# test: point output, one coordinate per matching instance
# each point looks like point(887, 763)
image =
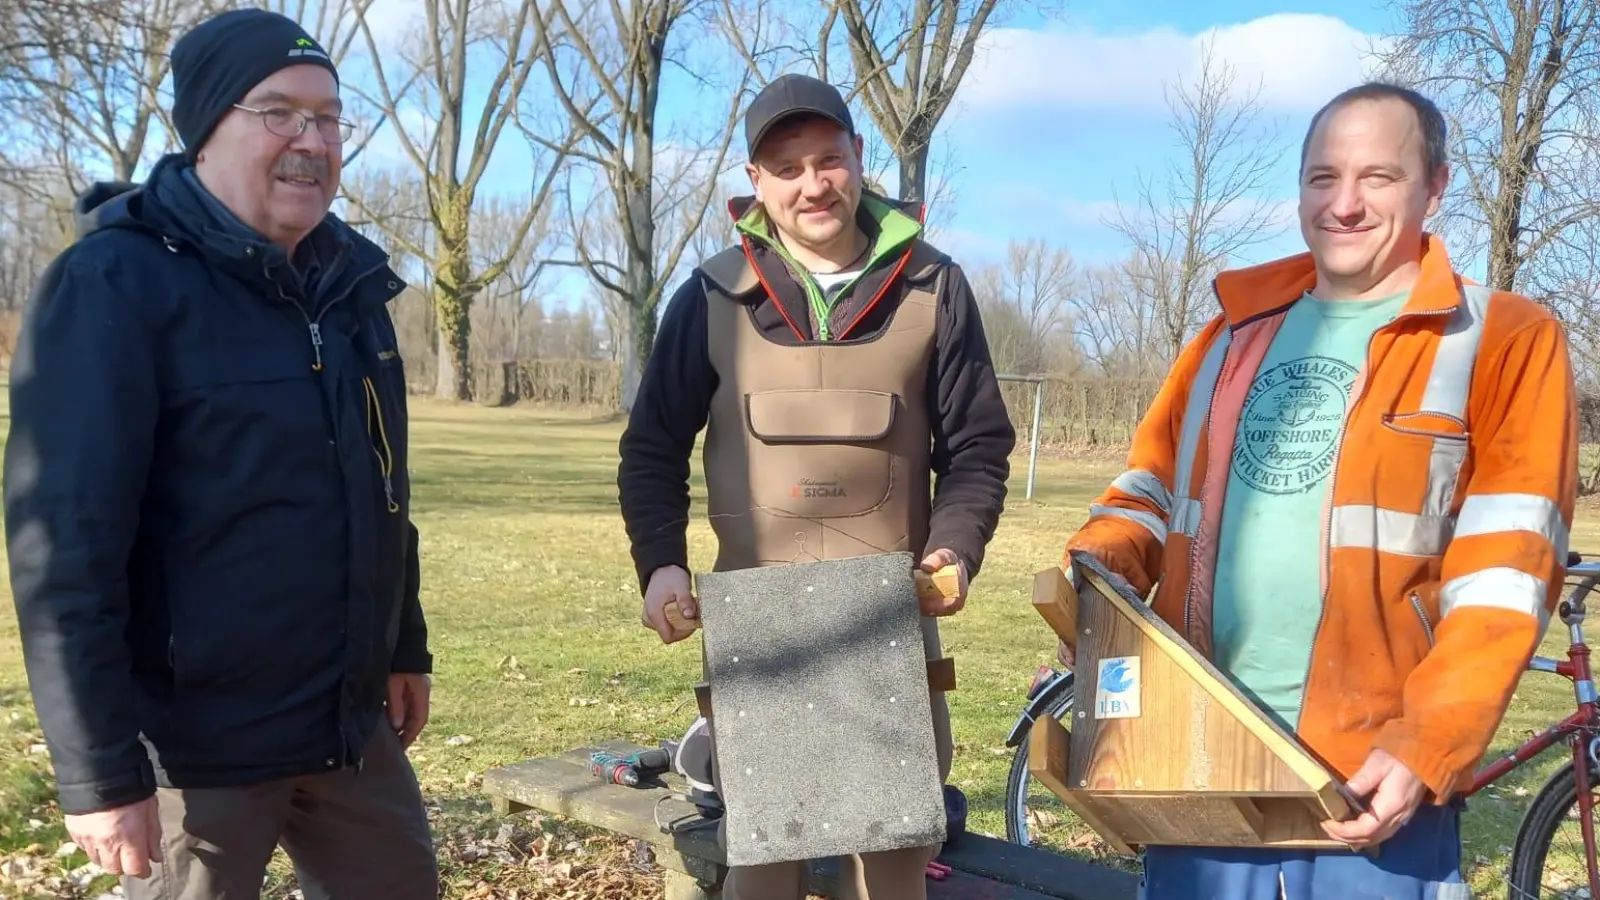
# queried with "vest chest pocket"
point(821, 453)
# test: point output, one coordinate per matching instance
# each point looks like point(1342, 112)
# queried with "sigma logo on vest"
point(809, 488)
point(1116, 688)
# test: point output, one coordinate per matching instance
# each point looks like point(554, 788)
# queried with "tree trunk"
point(455, 334)
point(453, 301)
point(914, 173)
point(1503, 249)
point(642, 301)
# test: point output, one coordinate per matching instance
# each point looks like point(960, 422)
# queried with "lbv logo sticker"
point(1116, 689)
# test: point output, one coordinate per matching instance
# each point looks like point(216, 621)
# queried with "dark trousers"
point(351, 835)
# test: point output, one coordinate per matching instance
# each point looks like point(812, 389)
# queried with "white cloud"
point(1299, 61)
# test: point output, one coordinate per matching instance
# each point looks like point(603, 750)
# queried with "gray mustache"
point(294, 164)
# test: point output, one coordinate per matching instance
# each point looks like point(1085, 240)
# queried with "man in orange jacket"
point(1354, 490)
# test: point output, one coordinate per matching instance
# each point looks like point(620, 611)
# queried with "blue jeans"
point(1422, 861)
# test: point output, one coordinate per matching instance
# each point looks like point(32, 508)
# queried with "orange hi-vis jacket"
point(1445, 529)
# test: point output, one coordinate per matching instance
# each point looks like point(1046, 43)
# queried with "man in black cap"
point(207, 508)
point(840, 367)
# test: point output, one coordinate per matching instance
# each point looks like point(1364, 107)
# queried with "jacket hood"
point(104, 204)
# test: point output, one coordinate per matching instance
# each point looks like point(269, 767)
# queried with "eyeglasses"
point(285, 122)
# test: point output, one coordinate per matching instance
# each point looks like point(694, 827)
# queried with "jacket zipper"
point(1364, 376)
point(385, 465)
point(1422, 613)
point(313, 326)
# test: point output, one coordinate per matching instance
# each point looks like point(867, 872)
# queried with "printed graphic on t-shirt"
point(1289, 435)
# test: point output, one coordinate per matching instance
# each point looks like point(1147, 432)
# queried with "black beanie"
point(220, 60)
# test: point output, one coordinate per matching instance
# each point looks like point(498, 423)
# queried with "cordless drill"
point(628, 770)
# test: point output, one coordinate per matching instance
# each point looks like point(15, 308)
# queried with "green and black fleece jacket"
point(972, 435)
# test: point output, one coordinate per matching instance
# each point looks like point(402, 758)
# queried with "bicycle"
point(1052, 694)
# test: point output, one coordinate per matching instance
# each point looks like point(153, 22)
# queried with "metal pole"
point(1033, 451)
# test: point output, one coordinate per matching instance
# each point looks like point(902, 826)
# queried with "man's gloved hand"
point(668, 584)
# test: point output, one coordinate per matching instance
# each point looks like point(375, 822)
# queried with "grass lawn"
point(534, 615)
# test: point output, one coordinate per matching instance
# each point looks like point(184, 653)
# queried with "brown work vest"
point(818, 451)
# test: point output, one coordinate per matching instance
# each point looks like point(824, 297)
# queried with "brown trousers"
point(350, 835)
point(889, 875)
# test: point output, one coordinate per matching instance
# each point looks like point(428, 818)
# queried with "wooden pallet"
point(1163, 748)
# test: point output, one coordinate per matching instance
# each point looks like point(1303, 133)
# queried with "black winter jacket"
point(206, 498)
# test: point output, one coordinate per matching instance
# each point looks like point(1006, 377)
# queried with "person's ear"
point(1441, 180)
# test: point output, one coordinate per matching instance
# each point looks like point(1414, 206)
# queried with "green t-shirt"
point(1268, 597)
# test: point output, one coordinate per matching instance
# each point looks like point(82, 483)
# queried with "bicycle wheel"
point(1549, 859)
point(1057, 706)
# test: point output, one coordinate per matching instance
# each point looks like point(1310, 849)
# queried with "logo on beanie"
point(306, 47)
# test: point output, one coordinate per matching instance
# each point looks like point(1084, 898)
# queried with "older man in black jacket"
point(207, 508)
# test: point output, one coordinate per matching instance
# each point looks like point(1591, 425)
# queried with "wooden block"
point(677, 620)
point(1049, 763)
point(942, 675)
point(943, 584)
point(1057, 601)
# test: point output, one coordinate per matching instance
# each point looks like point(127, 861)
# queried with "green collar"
point(892, 231)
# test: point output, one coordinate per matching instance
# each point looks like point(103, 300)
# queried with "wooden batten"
point(1163, 748)
point(1057, 601)
point(942, 675)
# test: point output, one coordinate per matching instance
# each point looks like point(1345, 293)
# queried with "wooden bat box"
point(1162, 747)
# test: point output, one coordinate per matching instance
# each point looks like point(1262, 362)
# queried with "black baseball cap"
point(791, 95)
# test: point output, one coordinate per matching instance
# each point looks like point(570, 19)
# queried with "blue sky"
point(1058, 118)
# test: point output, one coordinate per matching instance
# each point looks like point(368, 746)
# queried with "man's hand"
point(668, 584)
point(408, 705)
point(937, 560)
point(1396, 793)
point(123, 841)
point(1066, 655)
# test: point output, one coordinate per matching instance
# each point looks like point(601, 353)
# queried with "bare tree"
point(1115, 324)
point(608, 81)
point(1025, 304)
point(500, 321)
point(1520, 83)
point(422, 94)
point(907, 58)
point(86, 97)
point(1210, 205)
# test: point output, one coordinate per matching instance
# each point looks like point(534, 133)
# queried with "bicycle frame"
point(1574, 728)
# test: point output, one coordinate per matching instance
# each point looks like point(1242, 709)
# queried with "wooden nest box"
point(1163, 749)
